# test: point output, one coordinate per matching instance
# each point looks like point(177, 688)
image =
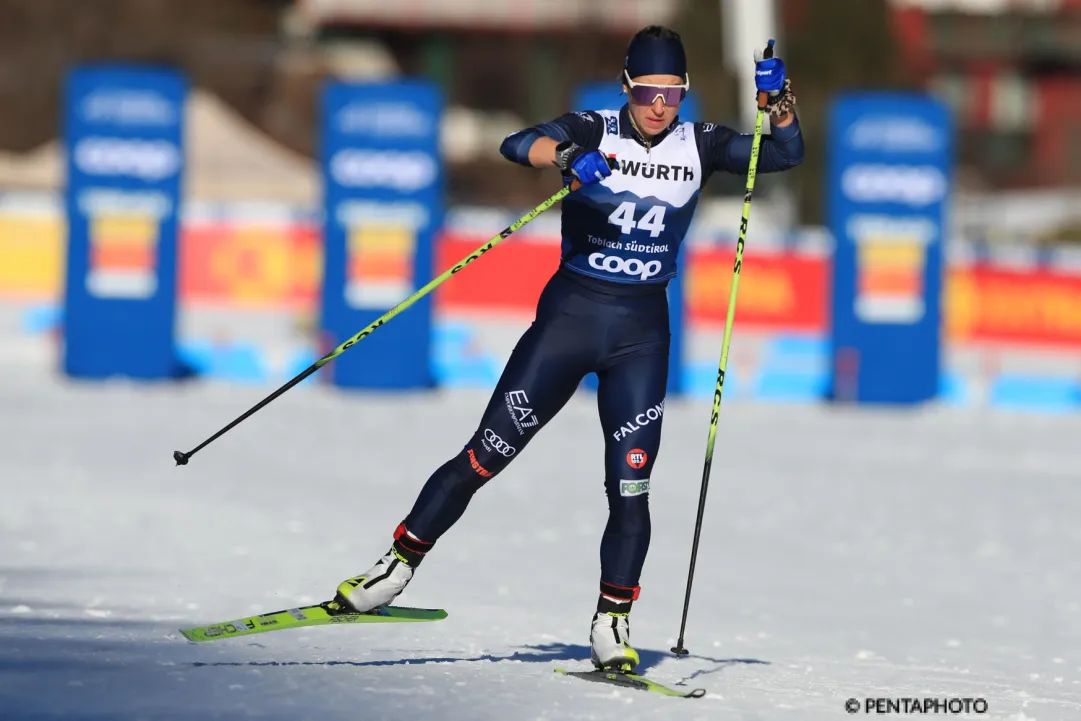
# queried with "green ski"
point(323, 614)
point(631, 680)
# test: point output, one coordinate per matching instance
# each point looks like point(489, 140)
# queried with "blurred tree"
point(833, 46)
point(228, 47)
point(700, 25)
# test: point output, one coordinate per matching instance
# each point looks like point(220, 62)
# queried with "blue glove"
point(769, 72)
point(588, 166)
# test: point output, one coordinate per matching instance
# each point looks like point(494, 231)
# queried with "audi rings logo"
point(630, 266)
point(402, 170)
point(501, 446)
point(149, 160)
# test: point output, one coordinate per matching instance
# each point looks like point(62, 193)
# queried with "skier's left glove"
point(588, 166)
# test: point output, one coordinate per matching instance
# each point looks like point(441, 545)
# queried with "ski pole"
point(752, 169)
point(182, 458)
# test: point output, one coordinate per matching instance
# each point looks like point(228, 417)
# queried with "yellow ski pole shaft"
point(679, 648)
point(182, 458)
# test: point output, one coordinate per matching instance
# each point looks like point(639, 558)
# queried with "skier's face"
point(655, 117)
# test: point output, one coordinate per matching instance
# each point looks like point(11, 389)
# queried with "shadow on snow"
point(544, 653)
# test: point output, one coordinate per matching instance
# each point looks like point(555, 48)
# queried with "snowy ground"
point(845, 554)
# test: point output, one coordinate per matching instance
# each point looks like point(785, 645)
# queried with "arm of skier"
point(780, 150)
point(728, 151)
point(569, 143)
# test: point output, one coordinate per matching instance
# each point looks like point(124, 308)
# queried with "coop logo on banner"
point(912, 185)
point(383, 175)
point(124, 133)
point(403, 171)
point(125, 163)
point(383, 188)
point(145, 160)
point(890, 169)
point(892, 180)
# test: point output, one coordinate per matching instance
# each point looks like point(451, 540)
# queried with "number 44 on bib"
point(623, 217)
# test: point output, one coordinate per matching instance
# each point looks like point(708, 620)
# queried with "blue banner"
point(891, 158)
point(383, 204)
point(124, 135)
point(607, 96)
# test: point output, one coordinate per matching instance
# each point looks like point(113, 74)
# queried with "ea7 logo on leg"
point(521, 414)
point(633, 488)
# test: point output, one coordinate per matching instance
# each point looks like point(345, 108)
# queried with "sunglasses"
point(642, 94)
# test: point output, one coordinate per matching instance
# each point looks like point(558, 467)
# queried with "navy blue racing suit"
point(604, 310)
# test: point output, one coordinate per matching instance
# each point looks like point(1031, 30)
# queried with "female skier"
point(605, 310)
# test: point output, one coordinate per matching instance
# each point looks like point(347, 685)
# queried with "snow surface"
point(846, 553)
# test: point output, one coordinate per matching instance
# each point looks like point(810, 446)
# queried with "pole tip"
point(680, 650)
point(181, 458)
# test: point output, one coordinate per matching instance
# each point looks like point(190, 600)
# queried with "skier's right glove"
point(588, 166)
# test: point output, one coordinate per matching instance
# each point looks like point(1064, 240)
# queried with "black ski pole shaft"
point(679, 649)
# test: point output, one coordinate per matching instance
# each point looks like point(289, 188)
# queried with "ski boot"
point(384, 581)
point(610, 642)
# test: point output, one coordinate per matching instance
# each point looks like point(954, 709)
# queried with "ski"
point(631, 680)
point(323, 614)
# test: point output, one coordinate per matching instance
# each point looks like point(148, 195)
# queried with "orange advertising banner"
point(507, 279)
point(251, 266)
point(1032, 307)
point(279, 266)
point(783, 291)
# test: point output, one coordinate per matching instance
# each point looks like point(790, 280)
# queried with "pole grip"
point(763, 97)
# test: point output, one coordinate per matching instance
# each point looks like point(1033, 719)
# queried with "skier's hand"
point(771, 78)
point(588, 166)
point(782, 104)
point(769, 72)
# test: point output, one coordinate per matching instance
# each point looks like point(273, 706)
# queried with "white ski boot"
point(610, 642)
point(377, 586)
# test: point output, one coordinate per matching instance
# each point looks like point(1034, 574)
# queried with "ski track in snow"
point(845, 553)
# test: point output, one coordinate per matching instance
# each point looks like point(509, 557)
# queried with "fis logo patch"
point(637, 458)
point(628, 489)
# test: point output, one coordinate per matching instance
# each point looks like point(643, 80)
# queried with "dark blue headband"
point(655, 56)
